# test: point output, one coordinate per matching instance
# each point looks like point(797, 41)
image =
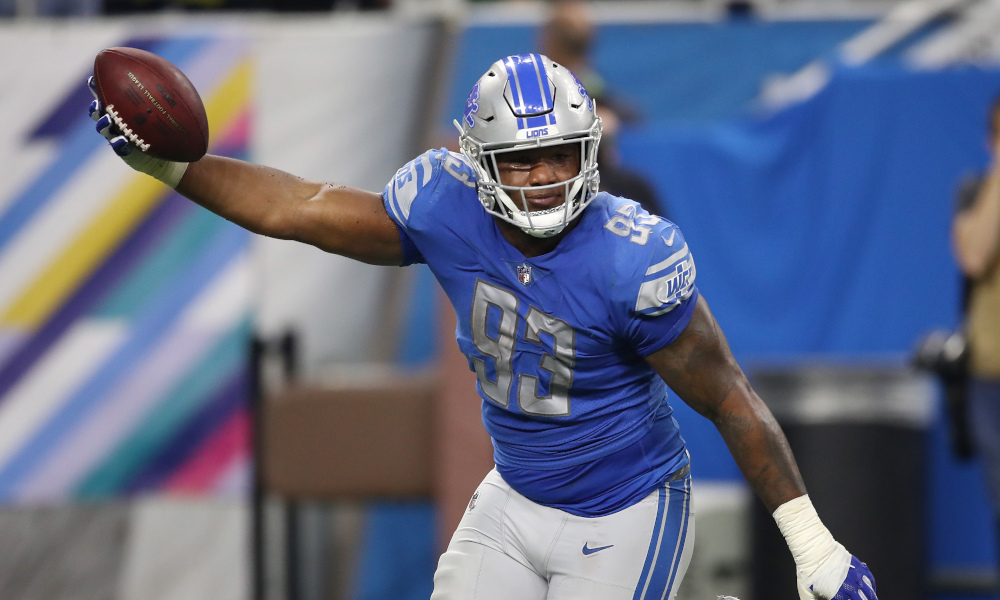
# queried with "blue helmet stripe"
point(530, 89)
point(532, 122)
point(515, 90)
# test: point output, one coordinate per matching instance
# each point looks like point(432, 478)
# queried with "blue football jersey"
point(579, 420)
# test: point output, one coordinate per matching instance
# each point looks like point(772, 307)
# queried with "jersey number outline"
point(625, 223)
point(501, 349)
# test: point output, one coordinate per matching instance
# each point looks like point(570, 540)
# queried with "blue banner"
point(824, 228)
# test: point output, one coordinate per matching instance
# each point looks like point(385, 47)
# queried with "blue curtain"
point(823, 228)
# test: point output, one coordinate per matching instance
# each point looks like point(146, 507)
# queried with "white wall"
point(337, 100)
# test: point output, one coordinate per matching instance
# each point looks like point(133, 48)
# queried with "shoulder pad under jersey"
point(658, 258)
point(421, 173)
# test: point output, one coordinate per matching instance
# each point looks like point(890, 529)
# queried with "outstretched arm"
point(700, 368)
point(335, 218)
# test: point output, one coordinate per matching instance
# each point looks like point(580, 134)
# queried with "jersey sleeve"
point(658, 301)
point(410, 196)
point(399, 196)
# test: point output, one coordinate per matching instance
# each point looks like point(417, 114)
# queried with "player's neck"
point(529, 245)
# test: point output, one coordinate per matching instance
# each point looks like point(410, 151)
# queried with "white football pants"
point(510, 548)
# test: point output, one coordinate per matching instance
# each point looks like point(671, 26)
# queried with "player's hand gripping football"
point(169, 172)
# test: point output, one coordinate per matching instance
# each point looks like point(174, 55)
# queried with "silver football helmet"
point(528, 101)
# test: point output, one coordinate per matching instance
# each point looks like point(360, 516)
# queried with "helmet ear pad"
point(522, 102)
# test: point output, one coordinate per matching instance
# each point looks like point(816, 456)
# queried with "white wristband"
point(821, 562)
point(167, 171)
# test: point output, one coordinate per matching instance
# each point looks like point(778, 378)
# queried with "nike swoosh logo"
point(588, 551)
point(670, 241)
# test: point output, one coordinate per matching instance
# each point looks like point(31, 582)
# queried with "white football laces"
point(125, 129)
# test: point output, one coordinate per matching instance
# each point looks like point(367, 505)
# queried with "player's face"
point(538, 167)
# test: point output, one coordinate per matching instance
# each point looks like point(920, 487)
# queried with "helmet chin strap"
point(543, 233)
point(573, 191)
point(504, 199)
point(547, 232)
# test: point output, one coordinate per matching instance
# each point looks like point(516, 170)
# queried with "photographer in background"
point(567, 38)
point(976, 243)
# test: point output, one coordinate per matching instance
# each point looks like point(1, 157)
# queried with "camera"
point(944, 353)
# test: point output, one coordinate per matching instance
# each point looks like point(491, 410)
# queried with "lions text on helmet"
point(525, 102)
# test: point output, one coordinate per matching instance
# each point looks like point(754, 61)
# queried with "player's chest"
point(532, 310)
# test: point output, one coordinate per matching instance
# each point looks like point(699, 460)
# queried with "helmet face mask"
point(525, 102)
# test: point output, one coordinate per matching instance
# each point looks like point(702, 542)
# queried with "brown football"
point(152, 102)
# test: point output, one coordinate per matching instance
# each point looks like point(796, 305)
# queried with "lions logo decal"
point(472, 106)
point(579, 87)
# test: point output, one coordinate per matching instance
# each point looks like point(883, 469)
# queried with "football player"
point(577, 310)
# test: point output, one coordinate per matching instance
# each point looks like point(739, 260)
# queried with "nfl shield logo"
point(524, 274)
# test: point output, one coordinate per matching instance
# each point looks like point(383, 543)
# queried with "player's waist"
point(609, 483)
point(583, 446)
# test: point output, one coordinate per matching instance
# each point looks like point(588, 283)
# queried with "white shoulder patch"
point(667, 284)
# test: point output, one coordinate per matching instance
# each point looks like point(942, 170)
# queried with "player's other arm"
point(700, 368)
point(335, 218)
